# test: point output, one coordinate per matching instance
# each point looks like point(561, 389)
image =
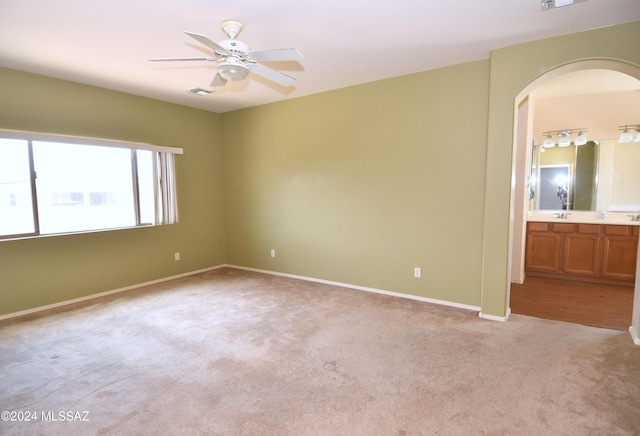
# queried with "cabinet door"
point(581, 254)
point(543, 251)
point(619, 257)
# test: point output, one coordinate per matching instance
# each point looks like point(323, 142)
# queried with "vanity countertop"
point(616, 218)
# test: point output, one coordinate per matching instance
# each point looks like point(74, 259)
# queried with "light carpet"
point(233, 352)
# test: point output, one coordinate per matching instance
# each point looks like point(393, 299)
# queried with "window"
point(51, 184)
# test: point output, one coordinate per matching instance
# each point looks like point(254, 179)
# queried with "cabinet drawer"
point(589, 228)
point(564, 227)
point(538, 227)
point(616, 230)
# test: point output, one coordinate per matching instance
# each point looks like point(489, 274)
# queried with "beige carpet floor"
point(232, 352)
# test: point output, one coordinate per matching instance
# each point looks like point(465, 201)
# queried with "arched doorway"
point(523, 139)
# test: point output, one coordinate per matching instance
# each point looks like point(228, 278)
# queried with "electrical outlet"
point(417, 272)
point(176, 256)
point(273, 253)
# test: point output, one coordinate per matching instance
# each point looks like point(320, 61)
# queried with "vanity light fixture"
point(581, 139)
point(626, 135)
point(548, 142)
point(565, 137)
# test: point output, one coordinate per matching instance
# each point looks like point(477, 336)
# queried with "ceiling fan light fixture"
point(232, 69)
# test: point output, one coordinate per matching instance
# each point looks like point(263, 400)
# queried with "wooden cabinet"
point(543, 248)
point(620, 250)
point(593, 252)
point(581, 251)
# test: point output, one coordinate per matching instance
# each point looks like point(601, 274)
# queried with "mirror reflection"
point(597, 176)
point(580, 158)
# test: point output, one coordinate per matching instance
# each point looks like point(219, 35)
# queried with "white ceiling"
point(345, 42)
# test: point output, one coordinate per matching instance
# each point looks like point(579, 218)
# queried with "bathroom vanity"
point(582, 249)
point(590, 233)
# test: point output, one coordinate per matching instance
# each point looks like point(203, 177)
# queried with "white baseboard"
point(634, 336)
point(310, 279)
point(496, 318)
point(102, 294)
point(360, 288)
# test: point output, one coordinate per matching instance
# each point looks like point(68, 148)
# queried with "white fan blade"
point(271, 74)
point(218, 81)
point(206, 41)
point(281, 54)
point(183, 59)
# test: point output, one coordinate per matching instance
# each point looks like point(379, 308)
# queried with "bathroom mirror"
point(604, 175)
point(598, 176)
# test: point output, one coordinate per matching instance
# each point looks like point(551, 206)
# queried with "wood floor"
point(596, 305)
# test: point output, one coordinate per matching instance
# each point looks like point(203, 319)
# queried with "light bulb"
point(581, 139)
point(548, 142)
point(232, 69)
point(626, 136)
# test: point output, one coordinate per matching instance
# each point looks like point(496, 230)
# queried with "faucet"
point(561, 215)
point(635, 217)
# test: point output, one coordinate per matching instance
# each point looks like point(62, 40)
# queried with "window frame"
point(164, 178)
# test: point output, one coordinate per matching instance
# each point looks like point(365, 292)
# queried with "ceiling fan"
point(235, 59)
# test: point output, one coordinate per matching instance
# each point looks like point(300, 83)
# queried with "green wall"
point(513, 70)
point(40, 271)
point(362, 184)
point(358, 185)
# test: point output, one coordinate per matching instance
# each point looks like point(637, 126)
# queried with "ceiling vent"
point(552, 4)
point(199, 91)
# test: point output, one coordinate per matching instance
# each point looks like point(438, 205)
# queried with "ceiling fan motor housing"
point(233, 45)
